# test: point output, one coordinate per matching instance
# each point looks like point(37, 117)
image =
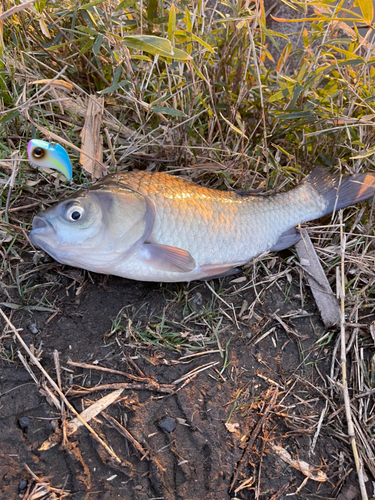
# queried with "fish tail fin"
point(336, 192)
point(341, 193)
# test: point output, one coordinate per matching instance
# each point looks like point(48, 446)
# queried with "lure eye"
point(38, 152)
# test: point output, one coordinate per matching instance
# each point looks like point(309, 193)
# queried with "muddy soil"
point(215, 434)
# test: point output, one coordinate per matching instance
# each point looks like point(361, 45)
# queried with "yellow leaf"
point(233, 127)
point(56, 83)
point(262, 12)
point(367, 9)
point(155, 45)
point(284, 56)
point(44, 28)
point(172, 20)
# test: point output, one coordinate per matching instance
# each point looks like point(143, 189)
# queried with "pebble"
point(24, 422)
point(22, 485)
point(33, 329)
point(197, 299)
point(54, 424)
point(167, 424)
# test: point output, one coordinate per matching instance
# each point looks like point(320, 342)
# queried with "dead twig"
point(309, 471)
point(285, 326)
point(345, 390)
point(167, 389)
point(124, 432)
point(42, 487)
point(284, 488)
point(319, 285)
point(268, 332)
point(195, 372)
point(317, 432)
point(109, 370)
point(27, 367)
point(226, 303)
point(12, 179)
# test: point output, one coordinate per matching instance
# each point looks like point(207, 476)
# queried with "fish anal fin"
point(286, 240)
point(167, 258)
point(214, 271)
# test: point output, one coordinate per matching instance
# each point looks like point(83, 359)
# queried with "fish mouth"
point(41, 229)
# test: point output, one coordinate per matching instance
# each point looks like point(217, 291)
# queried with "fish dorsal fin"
point(252, 192)
point(166, 258)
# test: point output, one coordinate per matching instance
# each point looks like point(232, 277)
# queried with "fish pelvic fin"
point(340, 193)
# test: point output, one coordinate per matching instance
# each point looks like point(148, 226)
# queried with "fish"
point(159, 227)
point(44, 154)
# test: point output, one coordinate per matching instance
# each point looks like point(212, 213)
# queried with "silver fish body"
point(157, 227)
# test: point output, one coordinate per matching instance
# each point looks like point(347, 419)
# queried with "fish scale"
point(158, 227)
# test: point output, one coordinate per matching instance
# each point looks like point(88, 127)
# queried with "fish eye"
point(75, 215)
point(74, 212)
point(38, 152)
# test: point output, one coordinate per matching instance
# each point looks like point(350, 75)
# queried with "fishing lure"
point(54, 156)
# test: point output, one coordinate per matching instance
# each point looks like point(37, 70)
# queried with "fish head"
point(96, 228)
point(54, 156)
point(71, 226)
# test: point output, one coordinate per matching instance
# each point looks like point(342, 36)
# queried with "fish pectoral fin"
point(166, 258)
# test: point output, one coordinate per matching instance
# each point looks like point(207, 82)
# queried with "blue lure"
point(44, 154)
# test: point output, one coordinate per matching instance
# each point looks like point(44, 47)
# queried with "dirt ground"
point(262, 384)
